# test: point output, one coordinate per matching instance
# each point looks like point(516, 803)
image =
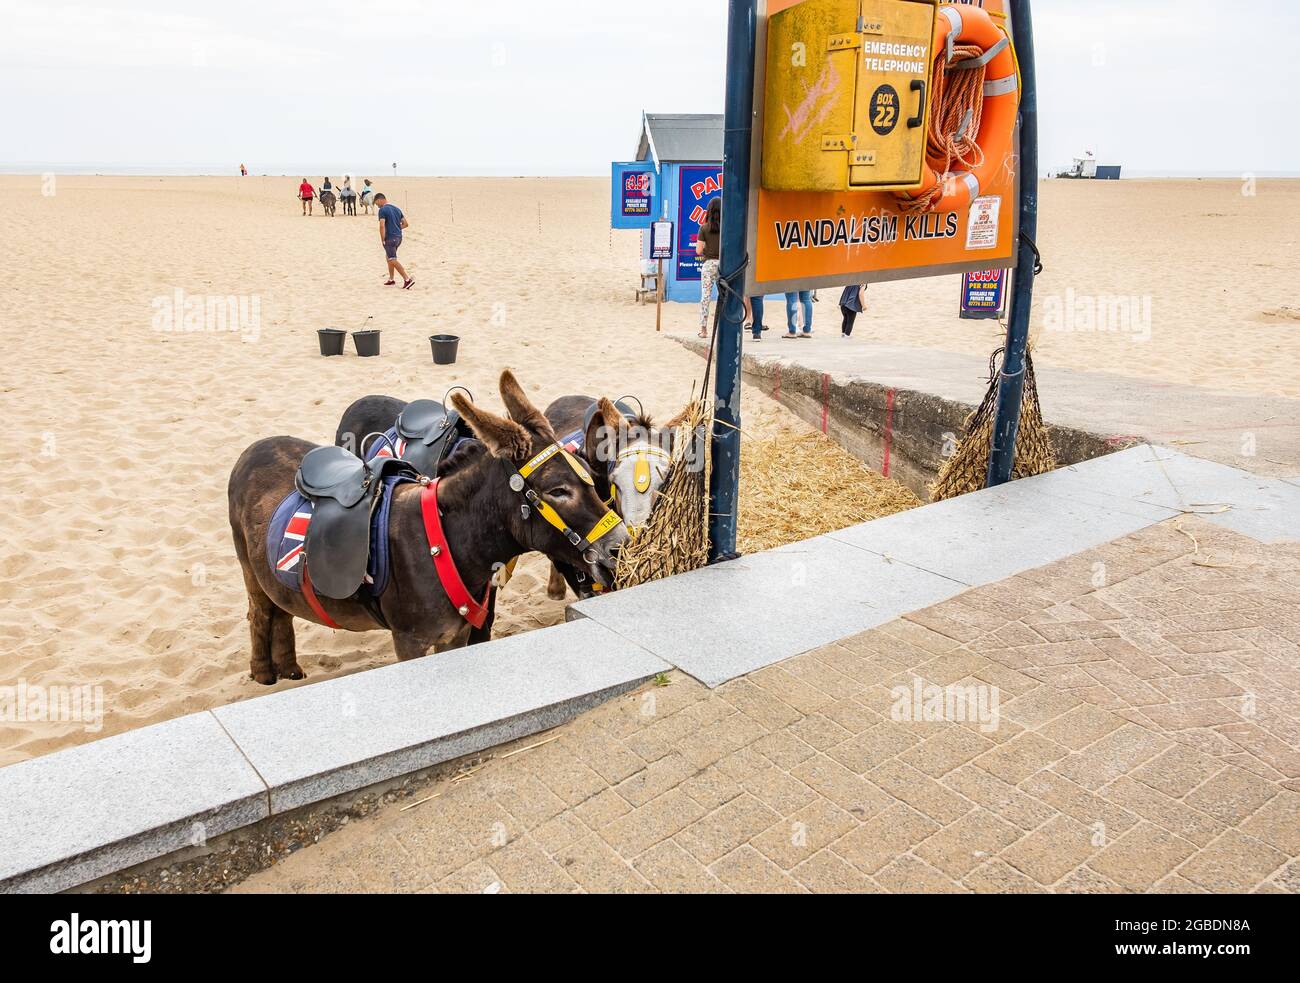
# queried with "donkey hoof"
point(266, 677)
point(294, 672)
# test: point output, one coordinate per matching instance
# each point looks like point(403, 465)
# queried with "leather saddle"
point(344, 492)
point(430, 431)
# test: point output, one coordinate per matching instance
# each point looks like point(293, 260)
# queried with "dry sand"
point(115, 558)
point(116, 567)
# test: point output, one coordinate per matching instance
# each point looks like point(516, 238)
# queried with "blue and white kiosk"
point(677, 171)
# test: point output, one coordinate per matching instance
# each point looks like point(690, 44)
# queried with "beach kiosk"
point(677, 171)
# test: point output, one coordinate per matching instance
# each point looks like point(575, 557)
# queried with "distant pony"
point(327, 202)
point(348, 196)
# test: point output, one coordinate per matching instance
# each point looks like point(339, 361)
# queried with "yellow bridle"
point(519, 482)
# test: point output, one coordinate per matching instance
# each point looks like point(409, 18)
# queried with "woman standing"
point(852, 303)
point(707, 247)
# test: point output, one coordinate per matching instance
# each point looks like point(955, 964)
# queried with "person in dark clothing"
point(852, 303)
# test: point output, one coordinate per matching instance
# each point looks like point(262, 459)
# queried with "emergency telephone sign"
point(847, 102)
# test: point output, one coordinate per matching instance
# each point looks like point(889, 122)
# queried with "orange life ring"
point(969, 25)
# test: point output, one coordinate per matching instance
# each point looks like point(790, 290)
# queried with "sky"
point(558, 87)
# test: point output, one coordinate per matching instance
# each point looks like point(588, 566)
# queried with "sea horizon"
point(110, 169)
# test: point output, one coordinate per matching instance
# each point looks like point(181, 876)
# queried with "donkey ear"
point(603, 433)
point(521, 409)
point(504, 438)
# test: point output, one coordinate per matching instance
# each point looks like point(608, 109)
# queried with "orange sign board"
point(810, 239)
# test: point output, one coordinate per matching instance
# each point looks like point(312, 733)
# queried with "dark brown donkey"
point(489, 513)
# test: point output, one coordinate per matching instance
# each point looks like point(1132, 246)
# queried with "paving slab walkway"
point(1146, 738)
point(762, 609)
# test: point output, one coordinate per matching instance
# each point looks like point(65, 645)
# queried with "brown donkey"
point(513, 493)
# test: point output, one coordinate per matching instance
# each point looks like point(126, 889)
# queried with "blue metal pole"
point(724, 481)
point(1011, 387)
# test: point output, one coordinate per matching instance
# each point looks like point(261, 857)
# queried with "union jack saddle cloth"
point(336, 519)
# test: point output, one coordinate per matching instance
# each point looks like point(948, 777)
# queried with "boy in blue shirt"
point(391, 224)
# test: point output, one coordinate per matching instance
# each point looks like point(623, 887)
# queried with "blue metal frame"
point(1011, 386)
point(724, 481)
point(741, 52)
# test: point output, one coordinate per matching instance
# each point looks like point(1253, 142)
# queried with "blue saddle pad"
point(288, 532)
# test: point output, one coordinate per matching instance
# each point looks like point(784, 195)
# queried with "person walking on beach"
point(707, 248)
point(391, 224)
point(243, 171)
point(793, 300)
point(852, 303)
point(307, 193)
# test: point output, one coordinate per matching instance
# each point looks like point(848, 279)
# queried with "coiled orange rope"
point(956, 110)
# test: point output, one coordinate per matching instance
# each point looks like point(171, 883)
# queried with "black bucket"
point(444, 348)
point(331, 340)
point(367, 343)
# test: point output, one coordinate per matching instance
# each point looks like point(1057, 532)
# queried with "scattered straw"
point(1196, 550)
point(521, 750)
point(1196, 543)
point(967, 470)
point(420, 803)
point(795, 486)
point(466, 775)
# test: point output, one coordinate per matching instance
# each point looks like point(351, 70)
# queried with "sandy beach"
point(116, 566)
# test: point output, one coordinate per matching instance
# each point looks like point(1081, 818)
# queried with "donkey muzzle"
point(601, 557)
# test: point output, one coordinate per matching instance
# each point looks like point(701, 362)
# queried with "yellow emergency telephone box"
point(847, 95)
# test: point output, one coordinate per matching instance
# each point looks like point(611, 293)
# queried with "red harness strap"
point(312, 600)
point(475, 612)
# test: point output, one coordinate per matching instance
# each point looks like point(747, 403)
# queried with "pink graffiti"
point(818, 101)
